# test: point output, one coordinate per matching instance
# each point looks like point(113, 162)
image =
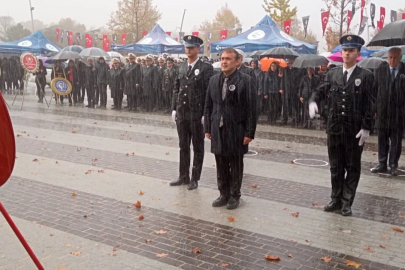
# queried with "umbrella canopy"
point(95, 53)
point(117, 55)
point(391, 35)
point(256, 54)
point(337, 57)
point(266, 63)
point(73, 48)
point(280, 52)
point(365, 52)
point(371, 63)
point(310, 60)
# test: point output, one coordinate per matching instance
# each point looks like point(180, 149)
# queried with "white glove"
point(174, 116)
point(313, 109)
point(202, 120)
point(363, 135)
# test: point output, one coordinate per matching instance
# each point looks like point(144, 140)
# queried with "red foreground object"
point(7, 160)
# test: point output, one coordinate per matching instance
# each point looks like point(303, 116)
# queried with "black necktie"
point(345, 77)
point(393, 74)
point(190, 67)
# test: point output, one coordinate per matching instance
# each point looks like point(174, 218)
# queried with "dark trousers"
point(305, 112)
point(259, 105)
point(229, 175)
point(90, 95)
point(290, 107)
point(345, 166)
point(132, 102)
point(117, 103)
point(166, 100)
point(190, 131)
point(103, 94)
point(75, 93)
point(274, 101)
point(384, 137)
point(40, 89)
point(82, 91)
point(96, 94)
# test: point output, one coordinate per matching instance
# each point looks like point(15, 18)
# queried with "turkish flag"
point(382, 15)
point(57, 34)
point(105, 42)
point(380, 25)
point(363, 4)
point(325, 20)
point(194, 34)
point(287, 26)
point(124, 38)
point(349, 19)
point(403, 16)
point(70, 38)
point(169, 33)
point(90, 42)
point(224, 34)
point(144, 33)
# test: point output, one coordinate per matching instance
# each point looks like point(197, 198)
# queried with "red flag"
point(287, 26)
point(177, 39)
point(224, 34)
point(325, 20)
point(105, 42)
point(349, 19)
point(169, 33)
point(363, 4)
point(380, 25)
point(382, 15)
point(124, 38)
point(70, 38)
point(88, 41)
point(403, 16)
point(194, 34)
point(57, 34)
point(144, 33)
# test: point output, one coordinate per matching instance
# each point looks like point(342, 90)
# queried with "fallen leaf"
point(127, 154)
point(196, 251)
point(161, 232)
point(148, 240)
point(288, 146)
point(51, 234)
point(290, 256)
point(314, 204)
point(292, 161)
point(224, 264)
point(63, 268)
point(140, 192)
point(326, 259)
point(308, 240)
point(113, 254)
point(88, 172)
point(85, 216)
point(352, 263)
point(368, 249)
point(35, 160)
point(397, 229)
point(73, 131)
point(272, 258)
point(383, 235)
point(231, 219)
point(384, 247)
point(254, 186)
point(57, 162)
point(18, 135)
point(101, 171)
point(167, 153)
point(133, 153)
point(140, 217)
point(295, 214)
point(115, 248)
point(401, 216)
point(73, 194)
point(161, 255)
point(76, 253)
point(67, 245)
point(374, 153)
point(137, 204)
point(285, 209)
point(94, 159)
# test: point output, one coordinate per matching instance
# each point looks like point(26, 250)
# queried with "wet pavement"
point(79, 172)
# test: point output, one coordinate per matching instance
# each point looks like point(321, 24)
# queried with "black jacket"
point(290, 81)
point(133, 76)
point(271, 83)
point(238, 111)
point(189, 91)
point(116, 82)
point(149, 81)
point(351, 105)
point(102, 73)
point(40, 75)
point(307, 86)
point(91, 76)
point(169, 77)
point(390, 104)
point(260, 78)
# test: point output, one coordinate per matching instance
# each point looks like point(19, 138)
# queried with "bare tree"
point(338, 14)
point(5, 23)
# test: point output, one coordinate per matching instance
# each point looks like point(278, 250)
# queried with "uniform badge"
point(349, 38)
point(357, 82)
point(189, 37)
point(196, 72)
point(232, 87)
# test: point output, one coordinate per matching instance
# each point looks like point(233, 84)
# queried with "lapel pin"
point(232, 87)
point(357, 82)
point(196, 72)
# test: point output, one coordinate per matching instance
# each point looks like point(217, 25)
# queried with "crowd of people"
point(11, 74)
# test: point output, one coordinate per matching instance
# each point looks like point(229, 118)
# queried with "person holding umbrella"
point(349, 90)
point(91, 83)
point(40, 81)
point(309, 83)
point(73, 78)
point(272, 92)
point(58, 72)
point(102, 81)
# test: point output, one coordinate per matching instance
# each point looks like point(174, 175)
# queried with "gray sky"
point(95, 13)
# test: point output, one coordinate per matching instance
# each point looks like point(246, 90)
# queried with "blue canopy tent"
point(265, 35)
point(35, 43)
point(156, 41)
point(365, 52)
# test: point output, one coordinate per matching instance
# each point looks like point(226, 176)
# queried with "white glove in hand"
point(313, 109)
point(202, 120)
point(363, 135)
point(174, 116)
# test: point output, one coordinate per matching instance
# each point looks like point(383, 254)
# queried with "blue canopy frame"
point(35, 43)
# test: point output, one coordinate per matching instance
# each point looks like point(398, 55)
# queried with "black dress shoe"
point(220, 201)
point(193, 185)
point(332, 206)
point(233, 203)
point(394, 170)
point(346, 210)
point(379, 169)
point(177, 182)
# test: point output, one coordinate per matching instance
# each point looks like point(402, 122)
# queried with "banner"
point(372, 14)
point(353, 7)
point(363, 25)
point(105, 42)
point(124, 38)
point(380, 25)
point(305, 21)
point(394, 15)
point(177, 39)
point(287, 26)
point(224, 34)
point(403, 16)
point(57, 34)
point(114, 37)
point(209, 37)
point(382, 15)
point(181, 37)
point(238, 31)
point(70, 38)
point(91, 41)
point(62, 34)
point(194, 34)
point(325, 20)
point(144, 33)
point(363, 5)
point(349, 20)
point(88, 44)
point(169, 33)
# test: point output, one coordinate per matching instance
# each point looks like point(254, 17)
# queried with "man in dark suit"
point(187, 111)
point(349, 90)
point(389, 85)
point(230, 124)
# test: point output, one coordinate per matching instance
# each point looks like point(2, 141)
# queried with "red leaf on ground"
point(296, 214)
point(73, 131)
point(352, 263)
point(87, 172)
point(137, 204)
point(308, 240)
point(290, 256)
point(326, 259)
point(140, 192)
point(384, 247)
point(374, 153)
point(73, 194)
point(161, 255)
point(35, 160)
point(140, 217)
point(272, 258)
point(113, 254)
point(254, 186)
point(148, 240)
point(127, 154)
point(161, 232)
point(368, 249)
point(397, 229)
point(231, 219)
point(383, 235)
point(196, 251)
point(101, 171)
point(224, 264)
point(314, 204)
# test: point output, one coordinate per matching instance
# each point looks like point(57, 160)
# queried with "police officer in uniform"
point(349, 90)
point(169, 76)
point(132, 75)
point(188, 108)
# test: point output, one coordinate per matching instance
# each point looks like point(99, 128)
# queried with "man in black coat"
point(91, 83)
point(349, 90)
point(390, 87)
point(187, 111)
point(260, 77)
point(81, 70)
point(102, 81)
point(308, 84)
point(133, 80)
point(230, 124)
point(169, 77)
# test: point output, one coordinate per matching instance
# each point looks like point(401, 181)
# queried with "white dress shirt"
point(349, 71)
point(193, 64)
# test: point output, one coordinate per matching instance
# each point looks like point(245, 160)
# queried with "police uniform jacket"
point(169, 76)
point(190, 90)
point(350, 106)
point(238, 111)
point(116, 82)
point(132, 75)
point(149, 80)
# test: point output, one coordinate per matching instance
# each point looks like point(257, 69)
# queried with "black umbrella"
point(63, 56)
point(391, 35)
point(281, 53)
point(310, 60)
point(73, 48)
point(379, 53)
point(256, 54)
point(371, 63)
